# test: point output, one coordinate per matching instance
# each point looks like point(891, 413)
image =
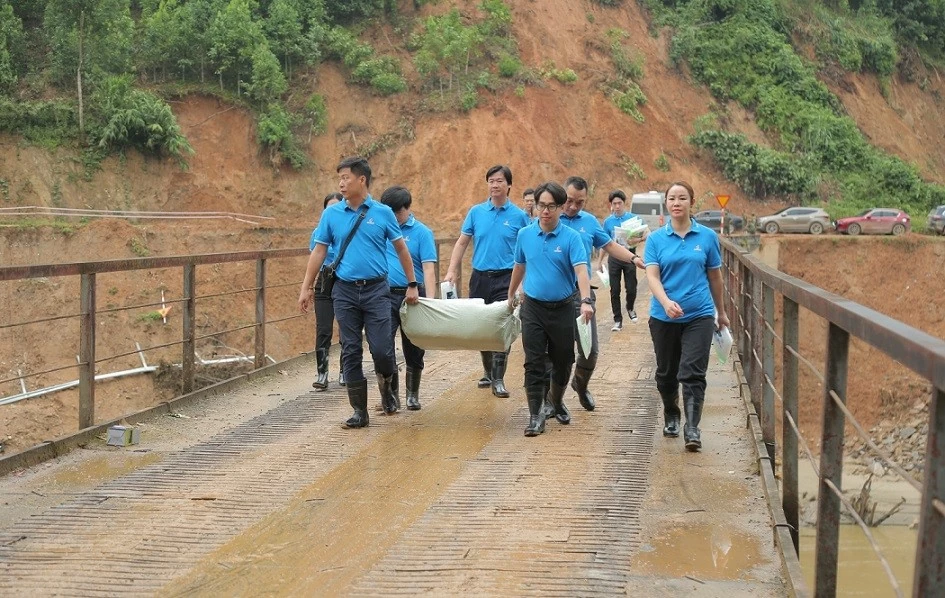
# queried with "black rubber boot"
point(486, 380)
point(321, 363)
point(556, 398)
point(412, 385)
point(357, 396)
point(671, 416)
point(536, 420)
point(547, 408)
point(341, 376)
point(388, 387)
point(582, 376)
point(499, 363)
point(691, 433)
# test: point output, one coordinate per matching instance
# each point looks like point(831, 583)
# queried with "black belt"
point(494, 273)
point(567, 301)
point(403, 290)
point(364, 282)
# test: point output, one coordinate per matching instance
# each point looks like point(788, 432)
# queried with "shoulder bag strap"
point(354, 229)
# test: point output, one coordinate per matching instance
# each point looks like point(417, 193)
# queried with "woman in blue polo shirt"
point(683, 267)
point(324, 312)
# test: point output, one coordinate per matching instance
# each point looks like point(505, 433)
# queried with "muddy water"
point(702, 551)
point(861, 573)
point(101, 469)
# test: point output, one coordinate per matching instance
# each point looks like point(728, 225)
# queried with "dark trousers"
point(413, 354)
point(324, 319)
point(547, 337)
point(616, 269)
point(364, 310)
point(586, 361)
point(682, 357)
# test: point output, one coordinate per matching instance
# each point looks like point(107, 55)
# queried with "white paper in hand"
point(722, 341)
point(604, 276)
point(584, 335)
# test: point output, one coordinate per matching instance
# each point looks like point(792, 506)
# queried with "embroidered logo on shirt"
point(370, 221)
point(697, 248)
point(406, 239)
point(506, 223)
point(558, 249)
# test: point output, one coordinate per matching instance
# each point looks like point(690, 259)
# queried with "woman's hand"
point(673, 310)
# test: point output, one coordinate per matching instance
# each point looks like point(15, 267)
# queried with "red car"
point(877, 221)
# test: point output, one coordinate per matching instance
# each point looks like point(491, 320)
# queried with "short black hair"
point(359, 167)
point(506, 172)
point(576, 182)
point(528, 191)
point(557, 192)
point(331, 196)
point(396, 198)
point(616, 194)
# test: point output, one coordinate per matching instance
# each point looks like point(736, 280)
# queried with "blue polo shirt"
point(366, 256)
point(329, 257)
point(494, 231)
point(419, 240)
point(549, 259)
point(592, 233)
point(684, 263)
point(613, 221)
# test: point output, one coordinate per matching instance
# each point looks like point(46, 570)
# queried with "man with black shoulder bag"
point(358, 229)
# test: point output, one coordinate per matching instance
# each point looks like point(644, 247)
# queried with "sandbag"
point(460, 325)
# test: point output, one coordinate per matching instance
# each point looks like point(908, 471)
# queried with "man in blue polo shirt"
point(360, 296)
point(492, 226)
point(422, 248)
point(551, 259)
point(618, 268)
point(593, 235)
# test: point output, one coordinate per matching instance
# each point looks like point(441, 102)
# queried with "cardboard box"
point(123, 435)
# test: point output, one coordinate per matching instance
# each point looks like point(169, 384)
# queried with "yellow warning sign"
point(722, 199)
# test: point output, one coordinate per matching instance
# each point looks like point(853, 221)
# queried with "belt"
point(494, 273)
point(364, 282)
point(403, 290)
point(567, 301)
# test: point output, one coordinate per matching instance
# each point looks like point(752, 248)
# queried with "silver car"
point(796, 220)
point(936, 221)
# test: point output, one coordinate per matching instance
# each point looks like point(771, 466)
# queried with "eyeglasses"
point(546, 207)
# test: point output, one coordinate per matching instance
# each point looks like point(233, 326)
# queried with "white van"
point(651, 207)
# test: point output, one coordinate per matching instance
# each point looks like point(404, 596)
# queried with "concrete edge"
point(780, 527)
point(63, 445)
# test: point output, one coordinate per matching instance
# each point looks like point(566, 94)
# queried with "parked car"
point(875, 221)
point(713, 220)
point(936, 222)
point(795, 220)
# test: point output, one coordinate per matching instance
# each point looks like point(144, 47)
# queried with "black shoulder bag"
point(328, 275)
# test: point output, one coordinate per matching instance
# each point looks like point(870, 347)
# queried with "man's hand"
point(511, 303)
point(723, 320)
point(587, 311)
point(450, 276)
point(673, 310)
point(638, 262)
point(413, 296)
point(306, 298)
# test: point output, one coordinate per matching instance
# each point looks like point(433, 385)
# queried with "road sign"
point(722, 199)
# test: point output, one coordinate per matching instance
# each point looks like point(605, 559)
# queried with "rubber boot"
point(357, 396)
point(691, 432)
point(486, 380)
point(341, 376)
point(582, 376)
point(536, 420)
point(556, 398)
point(547, 408)
point(387, 385)
point(499, 363)
point(671, 416)
point(321, 361)
point(413, 388)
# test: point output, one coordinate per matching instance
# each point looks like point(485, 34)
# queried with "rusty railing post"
point(929, 576)
point(831, 463)
point(789, 442)
point(87, 351)
point(767, 358)
point(744, 342)
point(189, 320)
point(757, 331)
point(259, 357)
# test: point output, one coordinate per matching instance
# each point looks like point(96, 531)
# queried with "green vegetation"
point(623, 89)
point(662, 163)
point(741, 49)
point(631, 168)
point(150, 316)
point(549, 71)
point(138, 247)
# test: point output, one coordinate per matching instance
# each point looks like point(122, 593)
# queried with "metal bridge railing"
point(88, 310)
point(751, 289)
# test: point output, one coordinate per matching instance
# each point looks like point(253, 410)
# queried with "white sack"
point(460, 324)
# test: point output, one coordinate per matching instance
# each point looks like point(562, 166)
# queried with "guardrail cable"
point(49, 319)
point(142, 306)
point(136, 351)
point(50, 371)
point(806, 362)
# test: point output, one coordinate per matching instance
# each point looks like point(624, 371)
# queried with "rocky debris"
point(903, 438)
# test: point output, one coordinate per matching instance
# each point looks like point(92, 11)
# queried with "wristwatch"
point(413, 285)
point(587, 300)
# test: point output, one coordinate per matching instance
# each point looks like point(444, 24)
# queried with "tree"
point(234, 36)
point(283, 29)
point(11, 47)
point(267, 81)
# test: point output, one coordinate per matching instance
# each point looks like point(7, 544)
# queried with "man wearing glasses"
point(593, 235)
point(551, 259)
point(492, 226)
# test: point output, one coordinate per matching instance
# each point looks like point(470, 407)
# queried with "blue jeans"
point(413, 355)
point(364, 309)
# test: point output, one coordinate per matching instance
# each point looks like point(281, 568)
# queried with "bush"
point(317, 113)
point(382, 73)
point(509, 66)
point(275, 132)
